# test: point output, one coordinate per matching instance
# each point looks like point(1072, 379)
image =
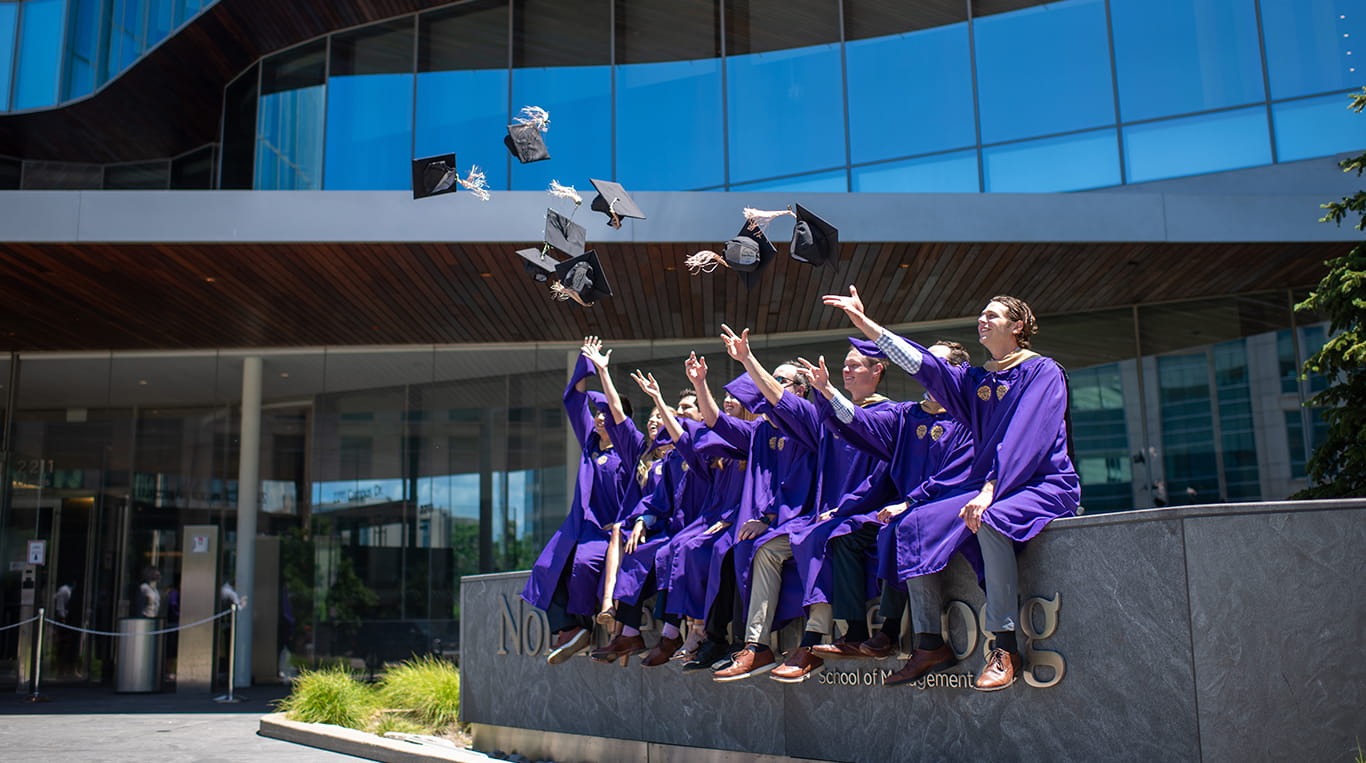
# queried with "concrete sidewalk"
point(100, 725)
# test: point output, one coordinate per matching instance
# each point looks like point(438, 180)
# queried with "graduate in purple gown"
point(837, 509)
point(566, 580)
point(1021, 477)
point(929, 455)
point(674, 499)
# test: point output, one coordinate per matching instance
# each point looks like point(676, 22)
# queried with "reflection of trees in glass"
point(297, 574)
point(517, 552)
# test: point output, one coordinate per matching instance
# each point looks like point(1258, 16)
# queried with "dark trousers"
point(631, 615)
point(722, 612)
point(557, 615)
point(847, 555)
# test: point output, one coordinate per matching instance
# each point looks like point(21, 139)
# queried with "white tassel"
point(535, 115)
point(565, 192)
point(761, 218)
point(475, 183)
point(564, 294)
point(704, 261)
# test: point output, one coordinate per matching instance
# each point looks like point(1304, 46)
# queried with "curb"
point(326, 736)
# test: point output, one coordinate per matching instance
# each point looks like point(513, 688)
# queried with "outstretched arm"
point(737, 346)
point(695, 368)
point(592, 349)
point(650, 387)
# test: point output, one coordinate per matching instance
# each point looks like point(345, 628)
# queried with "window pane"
point(878, 18)
point(465, 110)
point(239, 132)
point(1043, 70)
point(669, 131)
point(125, 35)
point(159, 21)
point(941, 173)
point(369, 132)
point(300, 67)
point(887, 116)
point(146, 176)
point(1066, 163)
point(83, 50)
point(289, 143)
point(40, 46)
point(556, 33)
point(1179, 56)
point(470, 36)
point(785, 113)
point(1312, 46)
point(654, 31)
point(823, 182)
point(11, 172)
point(379, 49)
point(193, 170)
point(1316, 127)
point(1208, 143)
point(578, 98)
point(9, 17)
point(757, 26)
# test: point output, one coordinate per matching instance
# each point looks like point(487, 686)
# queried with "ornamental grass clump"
point(331, 695)
point(428, 687)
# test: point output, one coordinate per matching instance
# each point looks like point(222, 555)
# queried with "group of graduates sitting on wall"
point(793, 499)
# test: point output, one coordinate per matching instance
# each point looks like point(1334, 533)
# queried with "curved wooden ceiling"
point(160, 296)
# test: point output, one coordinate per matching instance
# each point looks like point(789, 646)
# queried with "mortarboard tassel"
point(476, 183)
point(565, 192)
point(564, 294)
point(704, 261)
point(535, 115)
point(761, 218)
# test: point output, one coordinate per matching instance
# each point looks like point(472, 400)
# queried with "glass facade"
point(857, 95)
point(387, 473)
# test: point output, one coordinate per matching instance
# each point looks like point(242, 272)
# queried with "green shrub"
point(330, 696)
point(427, 686)
point(400, 722)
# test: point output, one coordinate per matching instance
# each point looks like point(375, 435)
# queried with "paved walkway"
point(100, 725)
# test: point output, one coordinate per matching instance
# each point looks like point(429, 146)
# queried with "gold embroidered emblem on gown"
point(920, 432)
point(984, 392)
point(937, 432)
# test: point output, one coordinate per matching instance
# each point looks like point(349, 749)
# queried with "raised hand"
point(648, 385)
point(695, 368)
point(820, 375)
point(737, 345)
point(592, 349)
point(851, 305)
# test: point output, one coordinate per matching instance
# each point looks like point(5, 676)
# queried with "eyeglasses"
point(784, 380)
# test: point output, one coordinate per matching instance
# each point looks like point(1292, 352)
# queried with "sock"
point(928, 641)
point(1006, 640)
point(892, 627)
point(811, 638)
point(670, 631)
point(857, 632)
point(628, 631)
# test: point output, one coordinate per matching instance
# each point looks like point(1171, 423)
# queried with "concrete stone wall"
point(1217, 633)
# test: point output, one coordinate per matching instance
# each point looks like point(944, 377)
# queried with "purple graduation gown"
point(687, 557)
point(929, 456)
point(780, 479)
point(1016, 418)
point(842, 470)
point(605, 482)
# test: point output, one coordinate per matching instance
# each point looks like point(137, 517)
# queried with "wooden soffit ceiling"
point(87, 296)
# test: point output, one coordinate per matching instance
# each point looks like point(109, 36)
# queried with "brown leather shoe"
point(922, 661)
point(1001, 671)
point(750, 661)
point(879, 647)
point(619, 646)
point(662, 652)
point(567, 644)
point(839, 650)
point(799, 666)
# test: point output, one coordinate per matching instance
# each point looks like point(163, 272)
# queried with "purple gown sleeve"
point(1032, 433)
point(950, 385)
point(732, 431)
point(626, 437)
point(873, 431)
point(576, 404)
point(797, 418)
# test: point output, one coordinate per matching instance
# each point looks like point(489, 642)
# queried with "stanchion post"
point(36, 660)
point(232, 656)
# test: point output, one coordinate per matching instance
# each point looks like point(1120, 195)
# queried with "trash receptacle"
point(137, 666)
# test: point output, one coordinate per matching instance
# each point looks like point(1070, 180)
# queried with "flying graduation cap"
point(564, 234)
point(524, 139)
point(435, 175)
point(814, 241)
point(538, 264)
point(613, 201)
point(582, 279)
point(747, 253)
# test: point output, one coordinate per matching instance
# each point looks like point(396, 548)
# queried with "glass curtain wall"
point(388, 473)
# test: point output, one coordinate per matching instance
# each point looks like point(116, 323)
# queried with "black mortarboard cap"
point(524, 141)
point(749, 252)
point(814, 240)
point(612, 198)
point(564, 234)
point(434, 175)
point(584, 276)
point(538, 263)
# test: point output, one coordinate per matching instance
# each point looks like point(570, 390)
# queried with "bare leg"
point(609, 577)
